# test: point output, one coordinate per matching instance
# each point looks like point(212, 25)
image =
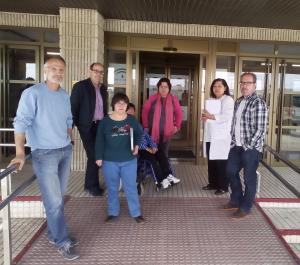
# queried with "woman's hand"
point(207, 116)
point(99, 163)
point(175, 130)
point(135, 150)
point(154, 150)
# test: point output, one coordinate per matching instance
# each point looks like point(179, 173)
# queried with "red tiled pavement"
point(177, 231)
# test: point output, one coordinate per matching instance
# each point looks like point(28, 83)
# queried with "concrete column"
point(81, 41)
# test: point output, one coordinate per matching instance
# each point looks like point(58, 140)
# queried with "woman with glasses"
point(216, 142)
point(117, 143)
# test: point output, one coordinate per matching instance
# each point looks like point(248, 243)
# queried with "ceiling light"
point(53, 53)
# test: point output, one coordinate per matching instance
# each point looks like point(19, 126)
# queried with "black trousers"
point(88, 138)
point(159, 162)
point(217, 172)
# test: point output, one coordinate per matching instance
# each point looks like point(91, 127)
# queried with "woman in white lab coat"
point(217, 119)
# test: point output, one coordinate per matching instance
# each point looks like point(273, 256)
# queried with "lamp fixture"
point(53, 53)
point(170, 47)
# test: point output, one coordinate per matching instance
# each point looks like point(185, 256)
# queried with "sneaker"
point(172, 179)
point(68, 252)
point(239, 214)
point(73, 241)
point(230, 206)
point(165, 183)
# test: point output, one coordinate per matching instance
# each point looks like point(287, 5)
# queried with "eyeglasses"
point(98, 72)
point(246, 83)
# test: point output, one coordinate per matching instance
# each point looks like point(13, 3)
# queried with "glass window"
point(18, 35)
point(288, 50)
point(116, 72)
point(116, 68)
point(257, 48)
point(21, 64)
point(225, 68)
point(51, 36)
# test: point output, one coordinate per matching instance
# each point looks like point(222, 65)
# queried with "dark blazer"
point(83, 101)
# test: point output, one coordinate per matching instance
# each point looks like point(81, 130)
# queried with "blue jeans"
point(238, 158)
point(52, 168)
point(126, 171)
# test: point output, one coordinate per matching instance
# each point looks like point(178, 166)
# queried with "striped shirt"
point(253, 123)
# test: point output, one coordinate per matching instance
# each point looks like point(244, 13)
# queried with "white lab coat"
point(217, 131)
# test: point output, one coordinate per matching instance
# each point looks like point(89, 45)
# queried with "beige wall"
point(81, 41)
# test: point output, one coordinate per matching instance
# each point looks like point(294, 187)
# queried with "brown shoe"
point(139, 219)
point(110, 218)
point(239, 214)
point(230, 206)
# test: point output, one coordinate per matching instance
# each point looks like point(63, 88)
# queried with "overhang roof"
point(284, 14)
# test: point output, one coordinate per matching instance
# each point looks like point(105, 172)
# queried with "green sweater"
point(113, 139)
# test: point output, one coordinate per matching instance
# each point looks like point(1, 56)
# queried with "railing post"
point(6, 221)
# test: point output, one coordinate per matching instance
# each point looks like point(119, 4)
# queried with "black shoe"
point(139, 219)
point(110, 218)
point(208, 187)
point(95, 191)
point(220, 192)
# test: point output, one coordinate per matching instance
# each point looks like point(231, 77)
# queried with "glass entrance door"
point(182, 76)
point(278, 82)
point(19, 69)
point(287, 131)
point(22, 70)
point(264, 69)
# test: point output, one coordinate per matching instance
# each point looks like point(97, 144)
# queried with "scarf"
point(169, 118)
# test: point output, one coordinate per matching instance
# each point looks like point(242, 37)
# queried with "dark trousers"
point(248, 161)
point(88, 138)
point(159, 162)
point(216, 172)
point(164, 146)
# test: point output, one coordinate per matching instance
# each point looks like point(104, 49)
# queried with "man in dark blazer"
point(89, 106)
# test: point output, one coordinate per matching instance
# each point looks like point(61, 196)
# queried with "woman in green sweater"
point(118, 157)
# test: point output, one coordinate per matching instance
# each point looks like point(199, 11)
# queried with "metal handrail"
point(8, 196)
point(7, 129)
point(277, 175)
point(11, 169)
point(281, 158)
point(17, 191)
point(8, 144)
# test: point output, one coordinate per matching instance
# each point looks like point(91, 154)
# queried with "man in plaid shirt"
point(248, 134)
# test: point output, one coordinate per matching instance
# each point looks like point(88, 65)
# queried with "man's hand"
point(20, 152)
point(19, 159)
point(99, 163)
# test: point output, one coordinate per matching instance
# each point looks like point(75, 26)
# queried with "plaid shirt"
point(253, 122)
point(146, 142)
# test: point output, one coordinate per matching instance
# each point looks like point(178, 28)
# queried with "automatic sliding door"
point(288, 110)
point(263, 69)
point(23, 71)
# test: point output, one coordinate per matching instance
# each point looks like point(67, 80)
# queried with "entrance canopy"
point(281, 14)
